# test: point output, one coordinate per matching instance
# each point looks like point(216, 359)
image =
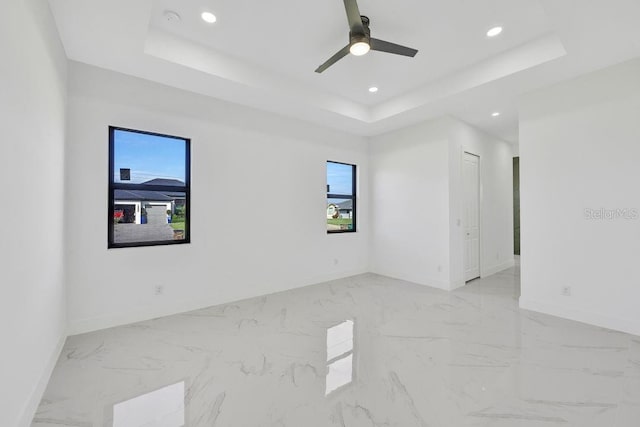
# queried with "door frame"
point(480, 222)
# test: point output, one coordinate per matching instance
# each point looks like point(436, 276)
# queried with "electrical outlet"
point(158, 289)
point(439, 269)
point(566, 291)
point(335, 261)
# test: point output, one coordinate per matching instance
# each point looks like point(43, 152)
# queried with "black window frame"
point(351, 197)
point(169, 188)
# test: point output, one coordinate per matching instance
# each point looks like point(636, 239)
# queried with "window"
point(341, 197)
point(149, 188)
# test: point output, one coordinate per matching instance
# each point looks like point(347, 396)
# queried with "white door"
point(471, 208)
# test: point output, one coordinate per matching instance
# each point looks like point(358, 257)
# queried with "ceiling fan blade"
point(383, 46)
point(335, 58)
point(353, 16)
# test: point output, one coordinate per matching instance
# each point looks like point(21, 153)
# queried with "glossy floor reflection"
point(364, 351)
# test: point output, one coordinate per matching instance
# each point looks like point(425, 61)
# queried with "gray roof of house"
point(179, 195)
point(143, 195)
point(165, 181)
point(152, 196)
point(347, 204)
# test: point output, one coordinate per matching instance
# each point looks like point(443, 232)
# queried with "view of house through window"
point(341, 197)
point(148, 188)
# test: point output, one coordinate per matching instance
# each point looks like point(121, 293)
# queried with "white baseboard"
point(81, 326)
point(32, 404)
point(455, 285)
point(488, 271)
point(583, 316)
point(432, 283)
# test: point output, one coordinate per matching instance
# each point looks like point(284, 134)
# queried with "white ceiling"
point(263, 54)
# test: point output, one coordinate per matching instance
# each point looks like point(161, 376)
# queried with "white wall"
point(496, 200)
point(32, 118)
point(410, 204)
point(250, 171)
point(416, 182)
point(580, 145)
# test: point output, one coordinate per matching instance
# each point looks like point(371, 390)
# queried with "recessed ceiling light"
point(373, 89)
point(496, 114)
point(208, 17)
point(494, 31)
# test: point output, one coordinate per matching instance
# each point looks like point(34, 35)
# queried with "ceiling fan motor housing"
point(359, 37)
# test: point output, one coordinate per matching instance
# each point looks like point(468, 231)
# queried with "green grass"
point(339, 221)
point(177, 225)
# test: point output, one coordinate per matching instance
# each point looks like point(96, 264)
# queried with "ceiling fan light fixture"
point(359, 48)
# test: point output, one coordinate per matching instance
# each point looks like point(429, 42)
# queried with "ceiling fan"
point(360, 40)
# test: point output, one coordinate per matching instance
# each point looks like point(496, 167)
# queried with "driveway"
point(156, 228)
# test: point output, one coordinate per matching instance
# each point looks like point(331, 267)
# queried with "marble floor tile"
point(366, 351)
